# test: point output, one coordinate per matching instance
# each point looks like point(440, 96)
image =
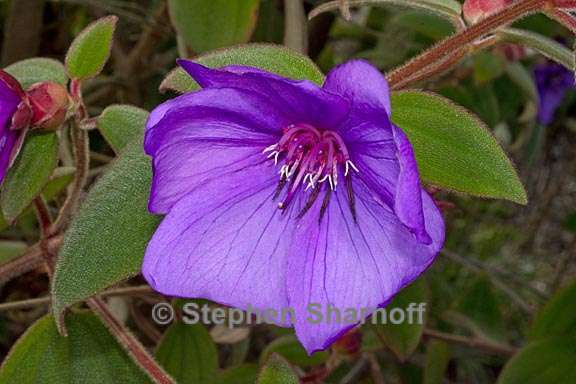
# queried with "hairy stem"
point(295, 26)
point(30, 260)
point(136, 350)
point(453, 44)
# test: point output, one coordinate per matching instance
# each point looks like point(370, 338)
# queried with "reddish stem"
point(450, 45)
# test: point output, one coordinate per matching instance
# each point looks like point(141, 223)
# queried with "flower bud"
point(476, 10)
point(49, 103)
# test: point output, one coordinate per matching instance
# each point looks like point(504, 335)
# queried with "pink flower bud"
point(476, 10)
point(49, 103)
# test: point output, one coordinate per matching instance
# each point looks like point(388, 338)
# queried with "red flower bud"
point(476, 10)
point(49, 103)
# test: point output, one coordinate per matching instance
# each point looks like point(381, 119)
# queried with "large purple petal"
point(206, 135)
point(9, 101)
point(360, 82)
point(341, 264)
point(225, 242)
point(302, 100)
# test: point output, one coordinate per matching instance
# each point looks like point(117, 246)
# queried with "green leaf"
point(290, 348)
point(558, 316)
point(90, 50)
point(89, 354)
point(273, 58)
point(449, 9)
point(546, 46)
point(120, 124)
point(487, 67)
point(277, 371)
point(403, 338)
point(454, 149)
point(188, 354)
point(60, 179)
point(208, 24)
point(38, 69)
point(547, 361)
point(523, 78)
point(242, 374)
point(106, 241)
point(437, 359)
point(11, 249)
point(29, 174)
point(477, 309)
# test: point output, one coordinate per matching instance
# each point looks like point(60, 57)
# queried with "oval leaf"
point(546, 46)
point(208, 24)
point(38, 69)
point(29, 174)
point(120, 124)
point(242, 374)
point(548, 361)
point(403, 338)
point(90, 50)
point(454, 149)
point(89, 354)
point(273, 58)
point(558, 317)
point(277, 371)
point(106, 241)
point(188, 354)
point(437, 359)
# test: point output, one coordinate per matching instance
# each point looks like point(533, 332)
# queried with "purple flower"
point(553, 81)
point(14, 118)
point(279, 194)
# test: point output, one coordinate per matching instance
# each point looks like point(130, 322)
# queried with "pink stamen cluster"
point(310, 157)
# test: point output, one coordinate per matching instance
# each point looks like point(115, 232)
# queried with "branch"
point(30, 260)
point(452, 44)
point(136, 350)
point(484, 345)
point(295, 26)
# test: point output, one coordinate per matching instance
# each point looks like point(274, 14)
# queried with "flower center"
point(311, 158)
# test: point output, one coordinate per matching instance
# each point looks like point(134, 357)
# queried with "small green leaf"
point(437, 359)
point(277, 371)
point(487, 67)
point(454, 149)
point(290, 348)
point(120, 124)
point(523, 78)
point(558, 316)
point(242, 374)
point(106, 241)
point(403, 338)
point(38, 69)
point(90, 50)
point(209, 24)
point(547, 361)
point(188, 354)
point(546, 46)
point(89, 354)
point(29, 174)
point(273, 58)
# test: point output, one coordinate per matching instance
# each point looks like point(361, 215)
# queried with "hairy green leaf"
point(454, 149)
point(277, 371)
point(29, 174)
point(558, 317)
point(120, 124)
point(38, 69)
point(89, 354)
point(290, 348)
point(106, 240)
point(90, 50)
point(273, 58)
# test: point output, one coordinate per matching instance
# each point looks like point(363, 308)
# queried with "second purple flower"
point(281, 194)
